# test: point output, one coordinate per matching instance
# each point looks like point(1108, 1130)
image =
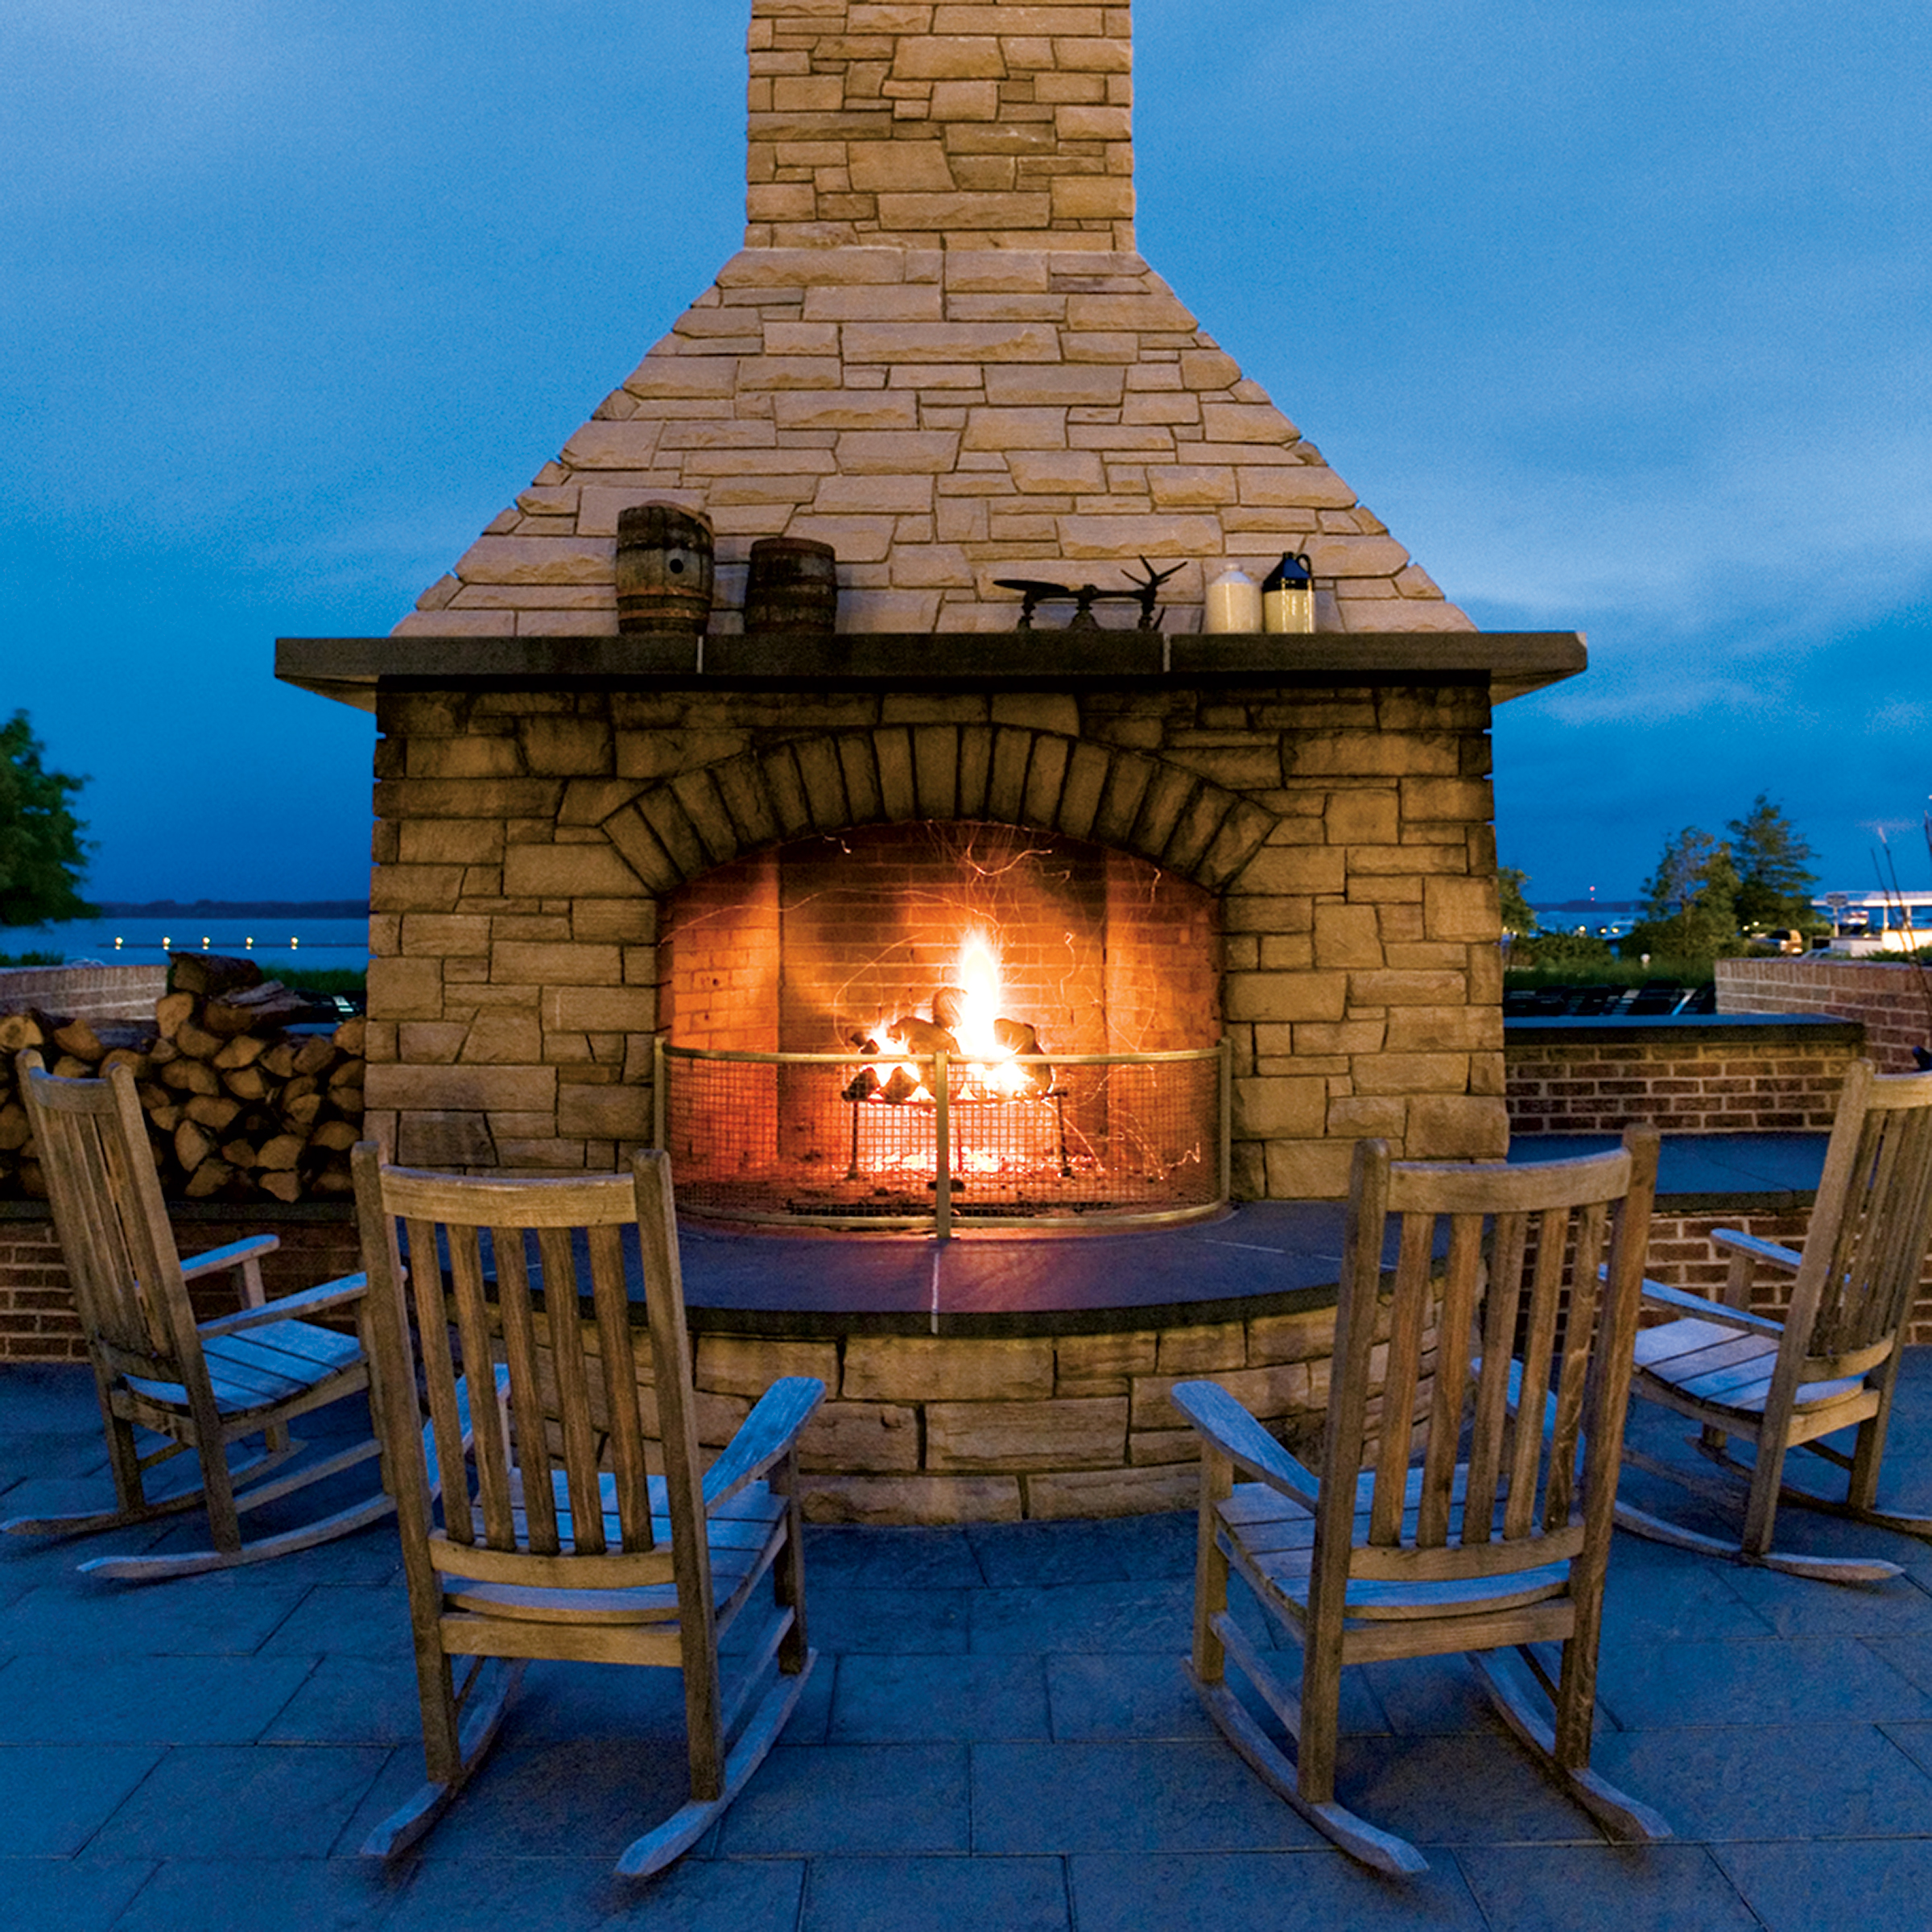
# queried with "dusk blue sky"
point(1615, 312)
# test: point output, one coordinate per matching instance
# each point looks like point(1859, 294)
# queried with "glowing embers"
point(989, 1058)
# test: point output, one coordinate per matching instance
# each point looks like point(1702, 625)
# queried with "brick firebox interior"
point(939, 351)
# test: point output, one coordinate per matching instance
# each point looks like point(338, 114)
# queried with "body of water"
point(282, 943)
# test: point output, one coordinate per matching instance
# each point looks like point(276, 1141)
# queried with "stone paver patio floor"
point(998, 1735)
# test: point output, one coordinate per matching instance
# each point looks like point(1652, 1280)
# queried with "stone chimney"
point(959, 127)
point(939, 351)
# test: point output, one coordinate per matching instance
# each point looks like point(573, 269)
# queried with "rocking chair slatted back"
point(1508, 1359)
point(112, 1222)
point(1850, 1299)
point(1468, 1473)
point(490, 1261)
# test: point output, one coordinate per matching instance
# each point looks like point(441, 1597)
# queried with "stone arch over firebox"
point(673, 830)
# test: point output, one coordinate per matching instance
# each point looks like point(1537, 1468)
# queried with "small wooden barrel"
point(793, 586)
point(664, 569)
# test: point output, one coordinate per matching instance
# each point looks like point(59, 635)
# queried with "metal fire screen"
point(811, 1138)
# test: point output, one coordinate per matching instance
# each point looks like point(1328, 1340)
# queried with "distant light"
point(117, 944)
point(204, 942)
point(249, 942)
point(293, 943)
point(165, 942)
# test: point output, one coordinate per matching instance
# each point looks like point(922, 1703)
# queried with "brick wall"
point(1680, 1256)
point(1893, 1003)
point(37, 1318)
point(84, 993)
point(37, 1322)
point(1686, 1077)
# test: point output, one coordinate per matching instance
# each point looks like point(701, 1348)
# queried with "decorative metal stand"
point(1034, 591)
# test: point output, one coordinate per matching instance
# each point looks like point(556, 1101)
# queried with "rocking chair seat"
point(1723, 1369)
point(264, 1368)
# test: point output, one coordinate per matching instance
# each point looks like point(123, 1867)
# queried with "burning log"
point(1023, 1043)
point(988, 1068)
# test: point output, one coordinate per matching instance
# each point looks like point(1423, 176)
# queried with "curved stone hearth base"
point(1043, 1392)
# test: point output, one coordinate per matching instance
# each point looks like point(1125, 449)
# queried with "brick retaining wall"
point(1890, 1001)
point(37, 1318)
point(1680, 1256)
point(1687, 1076)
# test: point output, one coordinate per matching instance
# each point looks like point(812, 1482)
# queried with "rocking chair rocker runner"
point(552, 1539)
point(1831, 1363)
point(204, 1386)
point(1384, 1556)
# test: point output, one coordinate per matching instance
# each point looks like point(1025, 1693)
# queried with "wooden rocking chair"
point(1830, 1365)
point(208, 1386)
point(1497, 1531)
point(552, 1539)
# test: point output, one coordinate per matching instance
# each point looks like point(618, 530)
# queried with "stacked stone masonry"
point(939, 353)
point(952, 1430)
point(1893, 1002)
point(525, 841)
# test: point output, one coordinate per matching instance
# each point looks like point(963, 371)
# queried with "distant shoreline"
point(232, 909)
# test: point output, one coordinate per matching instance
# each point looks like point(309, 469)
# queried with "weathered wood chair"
point(1484, 1522)
point(209, 1387)
point(1830, 1365)
point(554, 1541)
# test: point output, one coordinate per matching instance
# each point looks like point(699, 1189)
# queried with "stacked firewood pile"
point(239, 1104)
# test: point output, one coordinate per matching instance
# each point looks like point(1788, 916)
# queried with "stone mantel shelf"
point(352, 670)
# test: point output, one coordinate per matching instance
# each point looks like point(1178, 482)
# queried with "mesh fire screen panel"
point(848, 1139)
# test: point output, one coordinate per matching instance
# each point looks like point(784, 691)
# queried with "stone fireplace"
point(937, 352)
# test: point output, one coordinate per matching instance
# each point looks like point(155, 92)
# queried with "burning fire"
point(993, 1058)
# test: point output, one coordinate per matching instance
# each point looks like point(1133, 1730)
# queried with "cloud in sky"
point(1613, 310)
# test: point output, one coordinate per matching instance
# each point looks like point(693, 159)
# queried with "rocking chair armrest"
point(1680, 1301)
point(1232, 1431)
point(1758, 1250)
point(235, 1255)
point(309, 1301)
point(764, 1436)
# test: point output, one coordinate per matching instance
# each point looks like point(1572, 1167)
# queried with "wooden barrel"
point(793, 586)
point(664, 569)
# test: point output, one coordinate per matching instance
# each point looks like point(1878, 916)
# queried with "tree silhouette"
point(42, 852)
